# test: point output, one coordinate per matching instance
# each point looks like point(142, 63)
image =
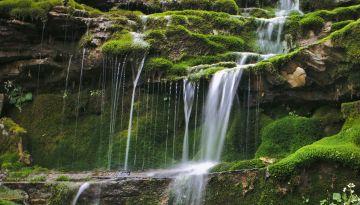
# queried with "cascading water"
point(141, 65)
point(82, 188)
point(188, 94)
point(270, 30)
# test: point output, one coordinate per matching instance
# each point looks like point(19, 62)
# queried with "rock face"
point(237, 187)
point(38, 54)
point(125, 191)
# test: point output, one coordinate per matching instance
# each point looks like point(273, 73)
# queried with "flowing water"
point(141, 65)
point(190, 178)
point(188, 94)
point(82, 188)
point(270, 30)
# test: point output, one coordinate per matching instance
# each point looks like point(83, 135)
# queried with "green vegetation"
point(61, 194)
point(7, 196)
point(63, 178)
point(16, 94)
point(36, 10)
point(5, 202)
point(228, 6)
point(348, 39)
point(348, 196)
point(238, 165)
point(123, 43)
point(312, 22)
point(158, 65)
point(204, 22)
point(286, 135)
point(341, 148)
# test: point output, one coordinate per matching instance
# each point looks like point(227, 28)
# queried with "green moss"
point(343, 148)
point(123, 43)
point(10, 195)
point(204, 22)
point(37, 179)
point(238, 165)
point(63, 178)
point(339, 25)
point(5, 202)
point(196, 4)
point(61, 194)
point(284, 136)
point(348, 39)
point(158, 64)
point(228, 6)
point(231, 43)
point(36, 10)
point(312, 22)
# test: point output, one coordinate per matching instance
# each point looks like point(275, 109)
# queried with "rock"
point(2, 100)
point(297, 78)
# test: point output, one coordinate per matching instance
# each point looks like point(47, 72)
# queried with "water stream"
point(188, 94)
point(141, 65)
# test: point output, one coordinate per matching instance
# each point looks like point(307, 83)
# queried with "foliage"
point(61, 194)
point(195, 4)
point(63, 178)
point(347, 197)
point(16, 94)
point(340, 148)
point(284, 136)
point(158, 64)
point(124, 43)
point(228, 6)
point(36, 10)
point(348, 39)
point(312, 22)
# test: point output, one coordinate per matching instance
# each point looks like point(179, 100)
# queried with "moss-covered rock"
point(341, 148)
point(228, 6)
point(286, 135)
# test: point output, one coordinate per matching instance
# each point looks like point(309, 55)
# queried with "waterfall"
point(188, 95)
point(118, 70)
point(217, 109)
point(141, 65)
point(270, 30)
point(82, 188)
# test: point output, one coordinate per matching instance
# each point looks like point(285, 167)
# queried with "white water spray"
point(188, 94)
point(82, 188)
point(141, 65)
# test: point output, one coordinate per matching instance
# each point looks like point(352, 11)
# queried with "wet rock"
point(297, 78)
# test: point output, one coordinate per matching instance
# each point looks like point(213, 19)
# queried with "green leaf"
point(28, 96)
point(337, 197)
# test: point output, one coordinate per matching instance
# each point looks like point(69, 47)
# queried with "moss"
point(328, 115)
point(238, 165)
point(228, 6)
point(10, 195)
point(36, 10)
point(63, 178)
point(348, 39)
point(61, 194)
point(261, 13)
point(6, 202)
point(339, 25)
point(312, 22)
point(204, 22)
point(37, 179)
point(284, 136)
point(158, 65)
point(351, 109)
point(196, 4)
point(231, 43)
point(206, 73)
point(343, 148)
point(124, 43)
